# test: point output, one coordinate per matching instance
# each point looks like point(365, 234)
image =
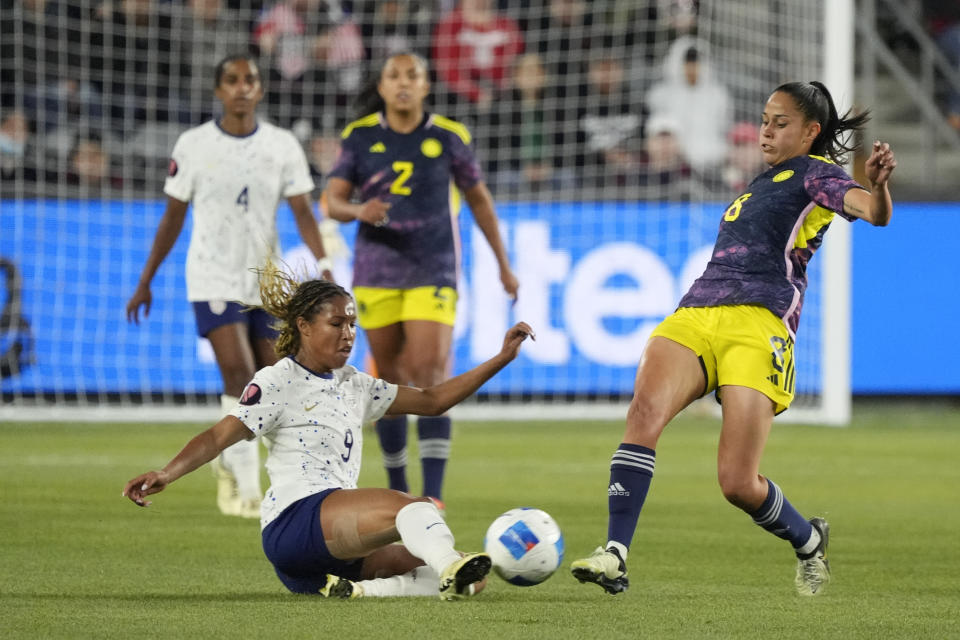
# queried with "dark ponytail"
point(369, 100)
point(816, 104)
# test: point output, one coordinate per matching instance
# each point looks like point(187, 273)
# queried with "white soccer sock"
point(426, 535)
point(622, 550)
point(811, 543)
point(422, 581)
point(242, 459)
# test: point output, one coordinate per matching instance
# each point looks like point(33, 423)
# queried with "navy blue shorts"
point(216, 313)
point(294, 544)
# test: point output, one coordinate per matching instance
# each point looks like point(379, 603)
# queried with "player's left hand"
point(144, 485)
point(509, 281)
point(515, 337)
point(880, 164)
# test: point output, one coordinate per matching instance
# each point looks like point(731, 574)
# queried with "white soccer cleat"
point(813, 571)
point(457, 580)
point(603, 567)
point(228, 495)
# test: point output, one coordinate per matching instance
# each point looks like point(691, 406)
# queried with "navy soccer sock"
point(631, 471)
point(778, 516)
point(434, 437)
point(392, 432)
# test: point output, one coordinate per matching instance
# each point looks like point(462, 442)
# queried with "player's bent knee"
point(644, 420)
point(740, 490)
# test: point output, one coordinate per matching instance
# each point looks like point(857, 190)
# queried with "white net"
point(610, 171)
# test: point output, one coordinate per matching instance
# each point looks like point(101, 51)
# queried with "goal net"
point(612, 134)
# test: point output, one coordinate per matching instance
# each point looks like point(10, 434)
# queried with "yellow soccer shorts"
point(740, 345)
point(378, 307)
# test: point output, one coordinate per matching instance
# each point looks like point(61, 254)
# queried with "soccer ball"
point(526, 546)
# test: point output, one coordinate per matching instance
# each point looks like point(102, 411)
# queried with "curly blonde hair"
point(286, 298)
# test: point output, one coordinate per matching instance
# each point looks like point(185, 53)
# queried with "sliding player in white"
point(323, 534)
point(235, 171)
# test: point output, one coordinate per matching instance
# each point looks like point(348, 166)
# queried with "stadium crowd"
point(610, 98)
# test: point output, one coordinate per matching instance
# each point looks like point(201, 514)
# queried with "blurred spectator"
point(682, 16)
point(16, 165)
point(394, 26)
point(664, 171)
point(561, 31)
point(473, 51)
point(526, 134)
point(322, 150)
point(89, 167)
point(744, 160)
point(689, 93)
point(313, 51)
point(209, 32)
point(609, 124)
point(131, 44)
point(943, 19)
point(43, 60)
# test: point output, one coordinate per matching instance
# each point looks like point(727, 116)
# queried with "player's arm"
point(200, 450)
point(874, 206)
point(339, 207)
point(437, 399)
point(310, 231)
point(481, 205)
point(171, 224)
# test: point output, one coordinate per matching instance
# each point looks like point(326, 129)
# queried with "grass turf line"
point(80, 561)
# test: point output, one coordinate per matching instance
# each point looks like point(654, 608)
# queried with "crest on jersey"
point(431, 148)
point(783, 175)
point(172, 168)
point(251, 395)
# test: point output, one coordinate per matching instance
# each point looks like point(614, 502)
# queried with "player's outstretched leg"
point(426, 535)
point(813, 569)
point(338, 587)
point(604, 567)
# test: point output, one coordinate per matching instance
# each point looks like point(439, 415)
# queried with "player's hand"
point(509, 281)
point(880, 164)
point(374, 211)
point(140, 298)
point(144, 485)
point(515, 337)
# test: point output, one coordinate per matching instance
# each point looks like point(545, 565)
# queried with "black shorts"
point(294, 544)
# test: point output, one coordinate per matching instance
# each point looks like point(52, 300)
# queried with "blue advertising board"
point(595, 279)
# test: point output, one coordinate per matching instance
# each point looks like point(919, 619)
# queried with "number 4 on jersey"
point(243, 200)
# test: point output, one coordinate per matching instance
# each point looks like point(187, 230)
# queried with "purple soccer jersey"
point(419, 246)
point(768, 235)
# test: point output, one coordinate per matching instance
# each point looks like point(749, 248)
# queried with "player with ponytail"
point(322, 534)
point(734, 330)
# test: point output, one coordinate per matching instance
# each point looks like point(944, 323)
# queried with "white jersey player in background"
point(235, 170)
point(323, 534)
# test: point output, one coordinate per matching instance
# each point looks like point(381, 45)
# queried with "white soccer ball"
point(526, 546)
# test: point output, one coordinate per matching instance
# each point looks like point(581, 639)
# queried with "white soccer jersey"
point(312, 426)
point(235, 184)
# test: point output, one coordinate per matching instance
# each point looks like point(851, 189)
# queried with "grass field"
point(79, 561)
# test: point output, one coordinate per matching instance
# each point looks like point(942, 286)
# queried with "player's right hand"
point(144, 485)
point(140, 298)
point(374, 211)
point(515, 337)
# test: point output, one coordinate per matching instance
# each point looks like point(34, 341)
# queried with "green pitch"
point(77, 560)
